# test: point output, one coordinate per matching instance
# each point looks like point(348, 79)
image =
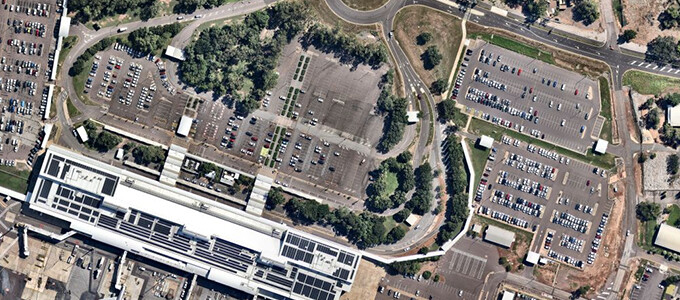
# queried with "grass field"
point(647, 238)
point(479, 158)
point(392, 183)
point(325, 15)
point(14, 179)
point(132, 15)
point(364, 4)
point(673, 215)
point(606, 109)
point(446, 35)
point(72, 110)
point(515, 46)
point(649, 84)
point(480, 127)
point(460, 118)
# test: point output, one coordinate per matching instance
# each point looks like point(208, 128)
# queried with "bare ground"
point(366, 282)
point(546, 274)
point(642, 16)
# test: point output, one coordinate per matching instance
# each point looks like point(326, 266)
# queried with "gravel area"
point(655, 175)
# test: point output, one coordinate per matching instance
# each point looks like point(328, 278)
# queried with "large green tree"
point(663, 50)
point(586, 11)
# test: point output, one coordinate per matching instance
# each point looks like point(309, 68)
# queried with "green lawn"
point(648, 84)
point(515, 46)
point(218, 22)
point(67, 45)
point(364, 4)
point(392, 183)
point(72, 110)
point(479, 158)
point(674, 215)
point(606, 109)
point(14, 179)
point(79, 81)
point(618, 10)
point(480, 127)
point(648, 237)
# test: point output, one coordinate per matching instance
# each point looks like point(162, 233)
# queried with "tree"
point(669, 100)
point(275, 197)
point(652, 119)
point(206, 167)
point(669, 18)
point(642, 158)
point(586, 11)
point(396, 234)
point(663, 50)
point(646, 211)
point(146, 155)
point(672, 164)
point(406, 267)
point(427, 275)
point(580, 292)
point(401, 215)
point(447, 110)
point(306, 212)
point(438, 86)
point(431, 57)
point(648, 104)
point(423, 250)
point(535, 9)
point(404, 157)
point(628, 35)
point(106, 141)
point(151, 11)
point(436, 278)
point(423, 38)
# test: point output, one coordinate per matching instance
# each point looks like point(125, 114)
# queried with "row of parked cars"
point(26, 48)
point(504, 217)
point(568, 220)
point(531, 166)
point(35, 9)
point(566, 259)
point(598, 238)
point(32, 28)
point(572, 243)
point(519, 204)
point(525, 185)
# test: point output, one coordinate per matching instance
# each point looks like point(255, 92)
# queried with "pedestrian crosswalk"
point(466, 264)
point(654, 67)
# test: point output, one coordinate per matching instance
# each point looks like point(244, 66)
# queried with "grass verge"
point(606, 109)
point(72, 110)
point(647, 238)
point(479, 158)
point(364, 4)
point(325, 15)
point(66, 47)
point(515, 46)
point(446, 33)
point(480, 127)
point(618, 10)
point(673, 215)
point(13, 179)
point(647, 83)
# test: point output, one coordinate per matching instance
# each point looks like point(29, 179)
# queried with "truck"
point(122, 29)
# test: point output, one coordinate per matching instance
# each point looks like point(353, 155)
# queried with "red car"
point(519, 72)
point(531, 90)
point(576, 92)
point(254, 139)
point(588, 183)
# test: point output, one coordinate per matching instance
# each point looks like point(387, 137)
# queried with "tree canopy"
point(628, 35)
point(586, 11)
point(663, 50)
point(346, 47)
point(146, 155)
point(431, 57)
point(275, 197)
point(647, 211)
point(672, 164)
point(423, 38)
point(438, 87)
point(394, 109)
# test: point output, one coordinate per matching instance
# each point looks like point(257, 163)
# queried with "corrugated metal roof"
point(667, 237)
point(184, 126)
point(499, 236)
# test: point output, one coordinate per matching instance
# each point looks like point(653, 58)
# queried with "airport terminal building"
point(179, 229)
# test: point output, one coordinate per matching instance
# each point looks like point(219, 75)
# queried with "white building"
point(412, 117)
point(667, 237)
point(499, 236)
point(601, 146)
point(184, 126)
point(221, 243)
point(486, 142)
point(673, 116)
point(175, 53)
point(533, 257)
point(82, 134)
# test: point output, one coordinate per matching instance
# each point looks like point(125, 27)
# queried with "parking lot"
point(27, 39)
point(131, 85)
point(529, 96)
point(649, 286)
point(563, 200)
point(462, 269)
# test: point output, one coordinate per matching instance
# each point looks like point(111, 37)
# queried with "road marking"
point(676, 71)
point(669, 70)
point(655, 67)
point(633, 62)
point(661, 69)
point(642, 63)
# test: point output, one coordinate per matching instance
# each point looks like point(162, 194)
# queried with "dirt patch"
point(563, 59)
point(446, 34)
point(642, 16)
point(608, 259)
point(515, 255)
point(366, 282)
point(546, 273)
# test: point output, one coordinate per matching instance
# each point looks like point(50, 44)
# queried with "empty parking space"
point(529, 96)
point(563, 201)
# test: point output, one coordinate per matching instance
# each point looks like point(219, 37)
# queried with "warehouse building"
point(499, 236)
point(667, 237)
point(218, 242)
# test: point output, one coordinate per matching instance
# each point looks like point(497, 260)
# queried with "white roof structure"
point(601, 146)
point(64, 26)
point(499, 236)
point(175, 53)
point(258, 195)
point(119, 154)
point(667, 237)
point(194, 234)
point(486, 141)
point(173, 164)
point(532, 257)
point(48, 103)
point(82, 134)
point(184, 126)
point(412, 219)
point(673, 116)
point(507, 295)
point(47, 129)
point(477, 228)
point(412, 116)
